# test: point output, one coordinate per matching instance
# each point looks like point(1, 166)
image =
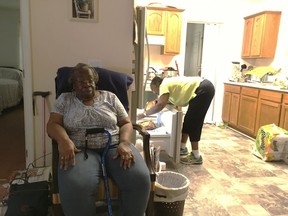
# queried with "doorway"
point(203, 41)
point(194, 47)
point(12, 131)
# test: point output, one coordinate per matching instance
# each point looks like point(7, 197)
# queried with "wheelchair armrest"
point(147, 156)
point(146, 149)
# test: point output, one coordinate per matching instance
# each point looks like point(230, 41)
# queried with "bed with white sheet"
point(11, 87)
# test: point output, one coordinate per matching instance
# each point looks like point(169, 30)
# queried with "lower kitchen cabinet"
point(226, 107)
point(246, 109)
point(269, 108)
point(235, 100)
point(284, 113)
point(231, 104)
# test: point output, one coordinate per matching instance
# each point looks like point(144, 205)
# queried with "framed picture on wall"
point(83, 10)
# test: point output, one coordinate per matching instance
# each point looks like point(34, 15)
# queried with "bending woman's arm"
point(162, 101)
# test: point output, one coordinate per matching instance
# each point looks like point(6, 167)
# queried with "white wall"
point(57, 41)
point(230, 14)
point(230, 17)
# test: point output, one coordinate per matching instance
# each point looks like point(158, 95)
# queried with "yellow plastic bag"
point(271, 143)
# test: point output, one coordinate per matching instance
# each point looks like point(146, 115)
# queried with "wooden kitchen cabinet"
point(226, 106)
point(248, 31)
point(269, 108)
point(173, 33)
point(284, 113)
point(231, 104)
point(261, 35)
point(156, 22)
point(167, 22)
point(248, 110)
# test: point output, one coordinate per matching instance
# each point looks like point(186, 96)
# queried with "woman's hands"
point(67, 152)
point(141, 115)
point(148, 106)
point(126, 155)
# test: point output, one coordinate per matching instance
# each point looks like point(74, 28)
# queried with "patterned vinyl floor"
point(232, 181)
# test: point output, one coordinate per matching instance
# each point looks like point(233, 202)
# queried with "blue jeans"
point(79, 184)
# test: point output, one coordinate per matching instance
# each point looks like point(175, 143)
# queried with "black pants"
point(197, 109)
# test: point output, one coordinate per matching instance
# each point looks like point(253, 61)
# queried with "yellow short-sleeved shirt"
point(181, 89)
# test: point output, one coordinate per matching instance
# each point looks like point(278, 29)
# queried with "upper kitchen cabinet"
point(155, 24)
point(167, 22)
point(261, 34)
point(173, 33)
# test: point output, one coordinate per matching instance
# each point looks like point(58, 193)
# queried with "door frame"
point(27, 82)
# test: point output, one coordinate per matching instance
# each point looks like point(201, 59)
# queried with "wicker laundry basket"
point(171, 190)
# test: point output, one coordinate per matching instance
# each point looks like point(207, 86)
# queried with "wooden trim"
point(232, 88)
point(263, 12)
point(285, 98)
point(271, 96)
point(165, 9)
point(252, 92)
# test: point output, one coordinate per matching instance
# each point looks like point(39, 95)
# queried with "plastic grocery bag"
point(271, 143)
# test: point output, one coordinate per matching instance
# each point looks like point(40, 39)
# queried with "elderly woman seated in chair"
point(80, 170)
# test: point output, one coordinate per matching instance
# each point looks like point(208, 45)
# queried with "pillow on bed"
point(11, 73)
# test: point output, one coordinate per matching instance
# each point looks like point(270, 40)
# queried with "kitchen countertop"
point(267, 86)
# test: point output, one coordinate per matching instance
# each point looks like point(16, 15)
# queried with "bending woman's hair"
point(156, 81)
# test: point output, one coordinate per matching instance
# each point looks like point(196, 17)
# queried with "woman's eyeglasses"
point(83, 82)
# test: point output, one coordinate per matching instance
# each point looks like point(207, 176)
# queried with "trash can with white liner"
point(171, 190)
